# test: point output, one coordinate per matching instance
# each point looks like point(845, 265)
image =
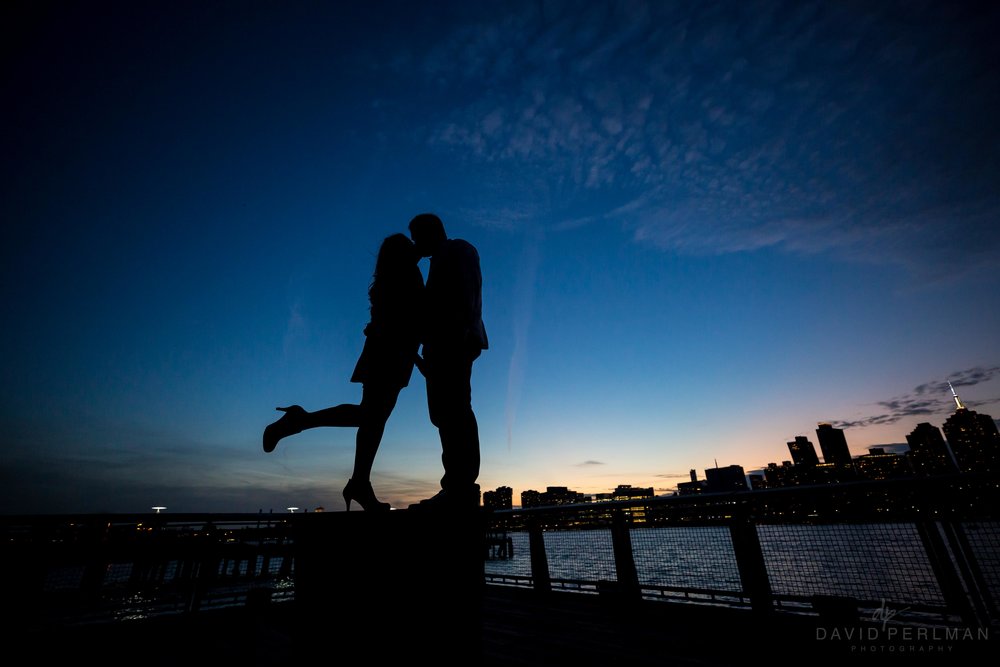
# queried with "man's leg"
point(449, 402)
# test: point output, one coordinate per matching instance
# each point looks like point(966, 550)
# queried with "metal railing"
point(929, 549)
point(105, 568)
point(926, 549)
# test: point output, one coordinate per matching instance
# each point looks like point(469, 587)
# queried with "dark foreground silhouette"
point(453, 338)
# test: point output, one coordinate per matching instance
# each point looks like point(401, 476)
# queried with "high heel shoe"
point(362, 492)
point(289, 424)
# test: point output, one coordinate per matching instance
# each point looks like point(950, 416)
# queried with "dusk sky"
point(704, 227)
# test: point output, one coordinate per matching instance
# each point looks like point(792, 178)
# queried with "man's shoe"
point(437, 500)
point(449, 500)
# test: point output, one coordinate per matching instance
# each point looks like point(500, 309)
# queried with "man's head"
point(427, 232)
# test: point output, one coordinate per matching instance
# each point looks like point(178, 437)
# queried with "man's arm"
point(471, 296)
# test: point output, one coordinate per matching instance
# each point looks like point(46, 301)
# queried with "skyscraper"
point(929, 453)
point(974, 439)
point(803, 451)
point(833, 444)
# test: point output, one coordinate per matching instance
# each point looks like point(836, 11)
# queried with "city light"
point(158, 508)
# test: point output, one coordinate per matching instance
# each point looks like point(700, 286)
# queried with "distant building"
point(530, 498)
point(929, 453)
point(560, 495)
point(776, 476)
point(501, 499)
point(693, 487)
point(974, 439)
point(553, 495)
point(829, 473)
point(635, 512)
point(729, 478)
point(757, 480)
point(803, 451)
point(629, 492)
point(879, 464)
point(833, 444)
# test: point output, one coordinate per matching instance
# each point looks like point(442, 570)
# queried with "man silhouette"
point(454, 337)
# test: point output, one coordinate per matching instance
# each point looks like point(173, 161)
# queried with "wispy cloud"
point(930, 398)
point(524, 290)
point(590, 463)
point(674, 475)
point(296, 329)
point(967, 378)
point(798, 127)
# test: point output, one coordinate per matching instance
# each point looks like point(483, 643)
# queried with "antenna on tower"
point(954, 394)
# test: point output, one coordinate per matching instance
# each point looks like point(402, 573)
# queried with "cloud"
point(930, 398)
point(967, 378)
point(590, 463)
point(524, 291)
point(296, 329)
point(721, 130)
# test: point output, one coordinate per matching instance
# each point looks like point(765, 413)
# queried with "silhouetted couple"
point(445, 317)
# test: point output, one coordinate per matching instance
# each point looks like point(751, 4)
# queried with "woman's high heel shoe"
point(362, 492)
point(289, 424)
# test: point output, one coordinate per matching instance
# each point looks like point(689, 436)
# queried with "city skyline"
point(924, 432)
point(703, 230)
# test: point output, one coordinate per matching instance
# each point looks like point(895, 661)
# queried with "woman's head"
point(397, 251)
point(394, 267)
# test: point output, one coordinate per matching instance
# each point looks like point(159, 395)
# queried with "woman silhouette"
point(392, 338)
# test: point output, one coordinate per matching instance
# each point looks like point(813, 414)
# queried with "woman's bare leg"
point(347, 414)
point(376, 406)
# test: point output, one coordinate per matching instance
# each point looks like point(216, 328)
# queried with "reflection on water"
point(695, 557)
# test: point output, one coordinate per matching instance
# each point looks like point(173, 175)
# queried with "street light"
point(158, 508)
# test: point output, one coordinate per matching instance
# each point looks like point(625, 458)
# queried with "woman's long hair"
point(395, 273)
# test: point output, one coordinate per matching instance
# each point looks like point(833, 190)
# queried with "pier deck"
point(916, 557)
point(518, 629)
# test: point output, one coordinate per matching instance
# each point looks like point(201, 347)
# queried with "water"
point(865, 561)
point(163, 592)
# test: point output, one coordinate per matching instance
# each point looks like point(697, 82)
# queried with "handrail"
point(76, 567)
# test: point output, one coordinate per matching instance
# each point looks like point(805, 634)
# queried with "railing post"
point(205, 566)
point(539, 561)
point(621, 539)
point(750, 562)
point(970, 566)
point(944, 570)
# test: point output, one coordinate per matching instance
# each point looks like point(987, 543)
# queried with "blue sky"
point(704, 227)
